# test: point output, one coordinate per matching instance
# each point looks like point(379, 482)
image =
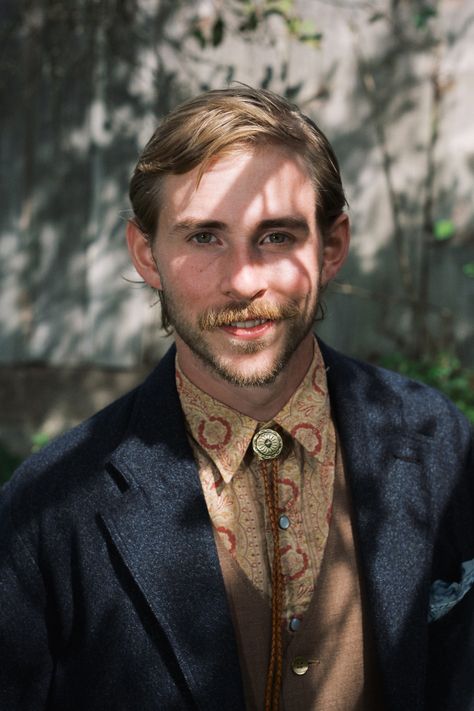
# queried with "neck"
point(261, 403)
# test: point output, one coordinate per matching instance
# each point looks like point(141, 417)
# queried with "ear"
point(142, 256)
point(335, 248)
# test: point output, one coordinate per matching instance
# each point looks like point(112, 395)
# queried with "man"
point(264, 523)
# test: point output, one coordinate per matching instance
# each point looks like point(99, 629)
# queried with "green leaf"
point(376, 16)
point(311, 39)
point(421, 18)
point(218, 32)
point(291, 92)
point(8, 463)
point(302, 29)
point(444, 229)
point(250, 24)
point(275, 11)
point(306, 27)
point(285, 7)
point(199, 37)
point(468, 270)
point(38, 440)
point(444, 371)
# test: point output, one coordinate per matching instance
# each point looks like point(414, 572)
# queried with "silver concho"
point(267, 444)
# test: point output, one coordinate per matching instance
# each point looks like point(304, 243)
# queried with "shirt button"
point(284, 522)
point(295, 624)
point(300, 665)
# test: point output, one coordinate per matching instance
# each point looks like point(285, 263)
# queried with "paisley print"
point(230, 475)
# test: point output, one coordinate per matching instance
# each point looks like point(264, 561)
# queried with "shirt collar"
point(225, 434)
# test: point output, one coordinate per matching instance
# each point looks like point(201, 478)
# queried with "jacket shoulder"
point(70, 470)
point(412, 404)
point(85, 444)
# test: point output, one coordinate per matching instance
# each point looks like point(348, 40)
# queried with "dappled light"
point(390, 85)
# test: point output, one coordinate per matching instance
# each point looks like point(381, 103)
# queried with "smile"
point(253, 329)
point(248, 324)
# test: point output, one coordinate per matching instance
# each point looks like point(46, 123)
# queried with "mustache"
point(241, 311)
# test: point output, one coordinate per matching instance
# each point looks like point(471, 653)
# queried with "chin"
point(250, 374)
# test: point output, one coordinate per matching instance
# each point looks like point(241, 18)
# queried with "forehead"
point(245, 182)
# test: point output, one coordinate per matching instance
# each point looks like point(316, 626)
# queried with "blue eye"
point(203, 238)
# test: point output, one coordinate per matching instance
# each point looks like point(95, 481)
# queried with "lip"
point(249, 333)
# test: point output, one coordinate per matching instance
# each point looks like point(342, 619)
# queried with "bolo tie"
point(267, 444)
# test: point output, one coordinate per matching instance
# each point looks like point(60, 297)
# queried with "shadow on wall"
point(81, 105)
point(77, 110)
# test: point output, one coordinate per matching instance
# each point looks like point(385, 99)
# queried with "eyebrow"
point(289, 222)
point(285, 222)
point(191, 225)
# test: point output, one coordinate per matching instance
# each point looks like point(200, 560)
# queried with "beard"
point(298, 320)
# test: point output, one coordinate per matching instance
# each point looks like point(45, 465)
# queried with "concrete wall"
point(82, 88)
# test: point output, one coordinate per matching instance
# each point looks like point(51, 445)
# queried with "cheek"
point(299, 276)
point(186, 280)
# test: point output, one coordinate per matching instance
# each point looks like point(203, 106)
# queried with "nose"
point(244, 276)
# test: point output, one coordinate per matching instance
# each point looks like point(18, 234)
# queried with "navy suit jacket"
point(111, 594)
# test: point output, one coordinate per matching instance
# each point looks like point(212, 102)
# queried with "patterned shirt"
point(233, 488)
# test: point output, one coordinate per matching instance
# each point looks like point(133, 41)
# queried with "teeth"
point(248, 324)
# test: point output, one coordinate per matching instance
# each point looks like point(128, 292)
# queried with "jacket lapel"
point(160, 527)
point(383, 461)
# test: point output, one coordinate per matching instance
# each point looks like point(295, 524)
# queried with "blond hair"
point(219, 121)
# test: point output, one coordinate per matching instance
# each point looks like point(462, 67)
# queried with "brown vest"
point(333, 643)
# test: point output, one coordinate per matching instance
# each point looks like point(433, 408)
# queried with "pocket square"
point(444, 596)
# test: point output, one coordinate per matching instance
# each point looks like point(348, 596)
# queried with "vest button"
point(300, 665)
point(295, 624)
point(284, 522)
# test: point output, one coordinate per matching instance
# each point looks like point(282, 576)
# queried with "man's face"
point(239, 260)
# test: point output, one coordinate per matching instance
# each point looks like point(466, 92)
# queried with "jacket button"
point(300, 665)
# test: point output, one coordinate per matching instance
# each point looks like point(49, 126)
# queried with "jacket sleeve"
point(26, 664)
